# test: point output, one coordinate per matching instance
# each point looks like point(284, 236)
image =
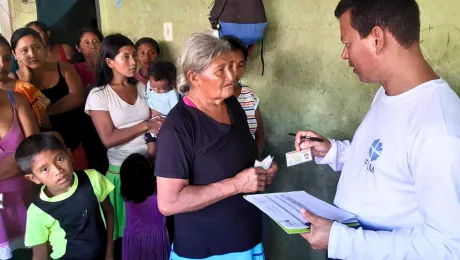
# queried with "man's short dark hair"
point(163, 70)
point(35, 144)
point(400, 17)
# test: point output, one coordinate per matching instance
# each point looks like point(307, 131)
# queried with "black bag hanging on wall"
point(244, 19)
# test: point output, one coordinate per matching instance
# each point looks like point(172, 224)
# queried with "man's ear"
point(32, 178)
point(378, 36)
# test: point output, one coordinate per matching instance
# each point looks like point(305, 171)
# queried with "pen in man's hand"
point(315, 139)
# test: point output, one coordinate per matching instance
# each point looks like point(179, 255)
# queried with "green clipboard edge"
point(306, 230)
point(303, 230)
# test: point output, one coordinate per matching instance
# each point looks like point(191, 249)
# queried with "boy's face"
point(52, 169)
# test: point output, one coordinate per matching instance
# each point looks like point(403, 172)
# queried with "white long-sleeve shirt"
point(401, 176)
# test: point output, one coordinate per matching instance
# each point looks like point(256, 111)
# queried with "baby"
point(161, 95)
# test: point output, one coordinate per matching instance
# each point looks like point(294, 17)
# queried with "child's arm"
point(37, 234)
point(108, 212)
point(151, 150)
point(150, 144)
point(154, 113)
point(40, 252)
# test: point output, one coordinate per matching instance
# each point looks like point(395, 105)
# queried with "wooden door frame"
point(5, 19)
point(98, 15)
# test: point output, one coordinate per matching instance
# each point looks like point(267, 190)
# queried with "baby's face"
point(160, 84)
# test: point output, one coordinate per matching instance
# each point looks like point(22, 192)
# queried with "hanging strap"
point(62, 52)
point(214, 20)
point(59, 69)
point(262, 56)
point(12, 100)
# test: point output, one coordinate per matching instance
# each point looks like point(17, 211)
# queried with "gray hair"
point(196, 55)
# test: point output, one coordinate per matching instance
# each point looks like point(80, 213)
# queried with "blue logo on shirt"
point(376, 150)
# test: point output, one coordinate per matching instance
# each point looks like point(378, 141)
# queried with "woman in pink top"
point(89, 44)
point(17, 121)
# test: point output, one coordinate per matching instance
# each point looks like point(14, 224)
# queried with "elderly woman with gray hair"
point(205, 155)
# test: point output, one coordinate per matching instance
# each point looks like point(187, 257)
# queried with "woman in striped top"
point(246, 96)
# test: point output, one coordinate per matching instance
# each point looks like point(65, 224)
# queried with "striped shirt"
point(249, 101)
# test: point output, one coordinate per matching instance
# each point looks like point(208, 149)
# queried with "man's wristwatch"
point(150, 137)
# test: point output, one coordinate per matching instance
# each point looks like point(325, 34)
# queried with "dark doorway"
point(65, 17)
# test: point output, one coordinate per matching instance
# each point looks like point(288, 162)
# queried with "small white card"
point(266, 163)
point(1, 200)
point(294, 157)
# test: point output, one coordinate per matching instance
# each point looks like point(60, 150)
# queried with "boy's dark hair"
point(237, 44)
point(23, 32)
point(35, 144)
point(400, 17)
point(137, 179)
point(4, 41)
point(150, 41)
point(163, 70)
point(110, 47)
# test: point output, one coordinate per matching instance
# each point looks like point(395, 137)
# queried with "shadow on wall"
point(441, 47)
point(281, 101)
point(165, 53)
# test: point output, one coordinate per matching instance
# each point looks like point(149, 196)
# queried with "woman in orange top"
point(37, 100)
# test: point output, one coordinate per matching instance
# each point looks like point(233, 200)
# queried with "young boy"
point(67, 213)
point(161, 94)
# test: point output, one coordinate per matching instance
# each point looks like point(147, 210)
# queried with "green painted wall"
point(306, 84)
point(22, 13)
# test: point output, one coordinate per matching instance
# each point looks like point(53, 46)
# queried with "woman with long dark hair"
point(88, 45)
point(119, 110)
point(54, 52)
point(37, 100)
point(59, 82)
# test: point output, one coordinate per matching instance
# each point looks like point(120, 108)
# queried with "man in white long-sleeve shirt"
point(401, 172)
